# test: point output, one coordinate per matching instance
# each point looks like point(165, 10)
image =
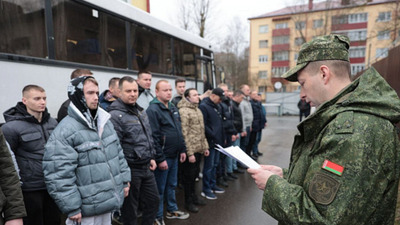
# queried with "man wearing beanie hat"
point(84, 167)
point(345, 161)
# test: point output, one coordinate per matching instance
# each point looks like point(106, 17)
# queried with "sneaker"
point(209, 195)
point(177, 215)
point(218, 190)
point(159, 221)
point(259, 154)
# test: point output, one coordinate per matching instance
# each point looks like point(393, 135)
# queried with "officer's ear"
point(325, 73)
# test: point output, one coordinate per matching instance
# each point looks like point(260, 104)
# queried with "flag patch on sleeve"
point(333, 167)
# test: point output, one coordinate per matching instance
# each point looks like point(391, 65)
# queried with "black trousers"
point(40, 208)
point(252, 141)
point(190, 172)
point(143, 190)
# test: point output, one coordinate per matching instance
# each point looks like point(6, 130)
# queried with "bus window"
point(184, 58)
point(151, 50)
point(86, 35)
point(22, 28)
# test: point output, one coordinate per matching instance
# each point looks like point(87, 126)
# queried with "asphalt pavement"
point(241, 203)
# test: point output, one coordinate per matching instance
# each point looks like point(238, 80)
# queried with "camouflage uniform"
point(354, 130)
point(192, 127)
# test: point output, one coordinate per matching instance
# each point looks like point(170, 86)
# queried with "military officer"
point(345, 160)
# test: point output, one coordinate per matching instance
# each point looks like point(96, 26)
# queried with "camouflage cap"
point(329, 47)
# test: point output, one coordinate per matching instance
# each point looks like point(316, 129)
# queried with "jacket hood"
point(156, 101)
point(369, 94)
point(19, 112)
point(184, 103)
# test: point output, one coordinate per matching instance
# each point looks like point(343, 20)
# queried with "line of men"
point(123, 156)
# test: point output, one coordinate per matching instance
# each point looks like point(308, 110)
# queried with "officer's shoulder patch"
point(344, 123)
point(323, 188)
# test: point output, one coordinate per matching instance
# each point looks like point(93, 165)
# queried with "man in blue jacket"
point(213, 123)
point(84, 167)
point(170, 145)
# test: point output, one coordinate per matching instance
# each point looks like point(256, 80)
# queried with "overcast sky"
point(225, 11)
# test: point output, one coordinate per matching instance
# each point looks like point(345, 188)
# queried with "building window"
point(358, 18)
point(263, 44)
point(318, 23)
point(263, 58)
point(299, 41)
point(280, 40)
point(262, 29)
point(357, 35)
point(355, 68)
point(381, 52)
point(357, 52)
point(280, 56)
point(281, 25)
point(384, 16)
point(263, 74)
point(300, 25)
point(384, 35)
point(262, 89)
point(278, 71)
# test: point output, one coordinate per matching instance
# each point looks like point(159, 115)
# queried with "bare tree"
point(184, 14)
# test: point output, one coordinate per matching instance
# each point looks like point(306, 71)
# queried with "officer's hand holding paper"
point(237, 153)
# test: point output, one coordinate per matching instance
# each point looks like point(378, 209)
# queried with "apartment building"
point(276, 37)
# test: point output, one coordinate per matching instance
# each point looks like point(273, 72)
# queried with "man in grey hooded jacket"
point(84, 167)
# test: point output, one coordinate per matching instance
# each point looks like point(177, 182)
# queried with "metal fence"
point(282, 103)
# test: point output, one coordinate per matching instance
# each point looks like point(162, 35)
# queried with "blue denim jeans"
point(166, 184)
point(209, 170)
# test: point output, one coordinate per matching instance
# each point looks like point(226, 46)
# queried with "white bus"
point(43, 41)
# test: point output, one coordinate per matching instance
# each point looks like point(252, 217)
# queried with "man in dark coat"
point(215, 134)
point(170, 147)
point(28, 127)
point(133, 128)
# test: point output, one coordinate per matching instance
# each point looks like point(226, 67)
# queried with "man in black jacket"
point(213, 124)
point(170, 146)
point(257, 125)
point(237, 98)
point(28, 127)
point(133, 128)
point(230, 136)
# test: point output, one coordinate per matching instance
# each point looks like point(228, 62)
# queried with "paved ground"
point(241, 203)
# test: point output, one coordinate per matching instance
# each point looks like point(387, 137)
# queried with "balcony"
point(349, 26)
point(357, 60)
point(281, 32)
point(280, 47)
point(280, 63)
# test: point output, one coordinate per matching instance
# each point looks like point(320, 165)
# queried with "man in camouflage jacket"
point(345, 161)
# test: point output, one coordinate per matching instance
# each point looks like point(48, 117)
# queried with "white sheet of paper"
point(237, 153)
